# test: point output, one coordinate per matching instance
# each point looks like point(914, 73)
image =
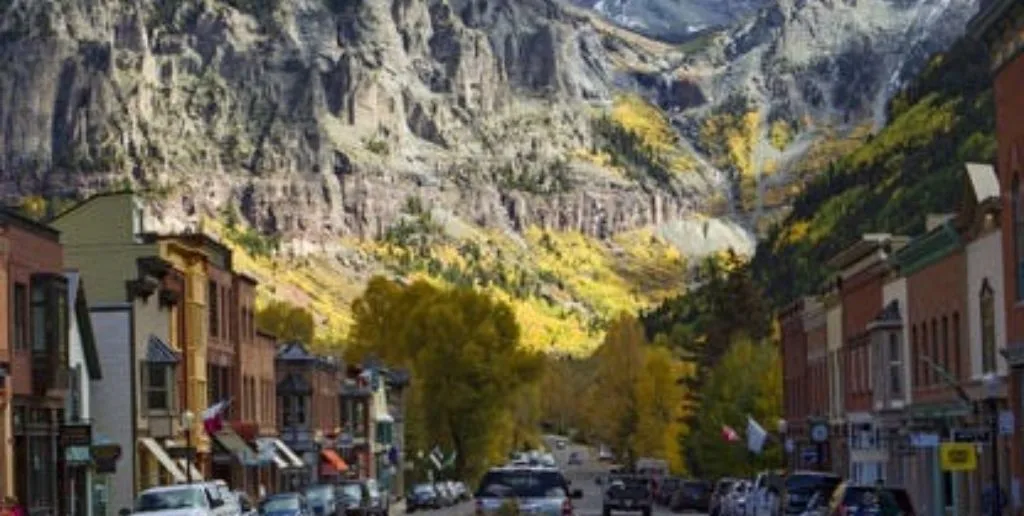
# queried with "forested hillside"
point(912, 167)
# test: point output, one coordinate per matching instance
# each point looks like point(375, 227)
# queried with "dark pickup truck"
point(628, 493)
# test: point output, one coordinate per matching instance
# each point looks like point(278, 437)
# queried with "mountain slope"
point(332, 140)
point(911, 168)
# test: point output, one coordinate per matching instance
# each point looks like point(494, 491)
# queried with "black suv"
point(628, 493)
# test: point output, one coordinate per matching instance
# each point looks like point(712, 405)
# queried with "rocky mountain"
point(370, 135)
point(673, 20)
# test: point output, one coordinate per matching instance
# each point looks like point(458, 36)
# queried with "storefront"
point(36, 462)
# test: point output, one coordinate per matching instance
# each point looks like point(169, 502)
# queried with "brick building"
point(38, 364)
point(999, 24)
point(861, 273)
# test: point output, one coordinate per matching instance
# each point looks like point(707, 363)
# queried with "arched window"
point(986, 302)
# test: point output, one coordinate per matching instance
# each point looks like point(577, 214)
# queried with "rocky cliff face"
point(320, 117)
point(674, 19)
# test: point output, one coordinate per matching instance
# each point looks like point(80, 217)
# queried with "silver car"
point(532, 491)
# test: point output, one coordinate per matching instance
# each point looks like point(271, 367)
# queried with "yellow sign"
point(958, 457)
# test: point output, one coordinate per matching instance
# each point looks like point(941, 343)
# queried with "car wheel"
point(647, 511)
point(606, 511)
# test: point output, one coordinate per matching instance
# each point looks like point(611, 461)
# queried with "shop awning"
point(268, 452)
point(197, 476)
point(235, 445)
point(332, 459)
point(289, 454)
point(163, 458)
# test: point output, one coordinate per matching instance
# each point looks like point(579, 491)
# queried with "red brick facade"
point(861, 296)
point(794, 366)
point(937, 299)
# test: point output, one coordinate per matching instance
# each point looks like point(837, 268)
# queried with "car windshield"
point(351, 491)
point(284, 503)
point(184, 498)
point(319, 493)
point(522, 484)
point(423, 489)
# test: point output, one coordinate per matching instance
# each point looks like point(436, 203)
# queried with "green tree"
point(286, 321)
point(463, 350)
point(747, 381)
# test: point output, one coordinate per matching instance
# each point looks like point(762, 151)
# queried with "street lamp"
point(318, 439)
point(187, 418)
point(782, 426)
point(991, 382)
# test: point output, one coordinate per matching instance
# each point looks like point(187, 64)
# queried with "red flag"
point(729, 434)
point(213, 417)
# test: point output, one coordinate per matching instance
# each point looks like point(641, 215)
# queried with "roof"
point(983, 181)
point(927, 249)
point(10, 217)
point(78, 310)
point(867, 244)
point(295, 351)
point(158, 352)
point(91, 198)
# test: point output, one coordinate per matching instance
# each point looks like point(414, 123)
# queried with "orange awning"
point(334, 460)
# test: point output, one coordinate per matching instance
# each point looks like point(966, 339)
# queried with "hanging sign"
point(958, 457)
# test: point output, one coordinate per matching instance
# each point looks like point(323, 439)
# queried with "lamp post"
point(318, 439)
point(783, 427)
point(187, 418)
point(991, 382)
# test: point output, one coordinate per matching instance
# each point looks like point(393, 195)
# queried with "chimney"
point(934, 220)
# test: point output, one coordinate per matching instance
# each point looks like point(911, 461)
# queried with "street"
point(582, 477)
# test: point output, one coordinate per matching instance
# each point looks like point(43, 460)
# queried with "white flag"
point(755, 436)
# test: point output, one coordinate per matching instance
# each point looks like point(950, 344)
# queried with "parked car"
point(245, 504)
point(871, 500)
point(666, 489)
point(353, 499)
point(718, 494)
point(575, 459)
point(628, 493)
point(323, 500)
point(692, 495)
point(231, 503)
point(531, 490)
point(285, 504)
point(800, 486)
point(735, 502)
point(422, 496)
point(379, 503)
point(200, 499)
point(763, 499)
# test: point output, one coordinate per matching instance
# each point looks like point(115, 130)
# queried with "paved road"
point(585, 477)
point(582, 477)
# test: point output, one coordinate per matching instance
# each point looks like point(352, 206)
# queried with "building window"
point(1018, 236)
point(936, 356)
point(39, 320)
point(915, 351)
point(158, 387)
point(957, 362)
point(895, 366)
point(213, 309)
point(987, 306)
point(947, 356)
point(20, 316)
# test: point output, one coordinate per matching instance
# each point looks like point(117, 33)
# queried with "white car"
point(232, 507)
point(761, 501)
point(185, 500)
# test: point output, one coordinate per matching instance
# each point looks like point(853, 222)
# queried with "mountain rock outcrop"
point(320, 118)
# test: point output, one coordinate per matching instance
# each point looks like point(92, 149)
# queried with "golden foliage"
point(34, 206)
point(730, 139)
point(641, 117)
point(286, 322)
point(462, 348)
point(781, 134)
point(634, 400)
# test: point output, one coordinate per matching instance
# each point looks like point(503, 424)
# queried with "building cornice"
point(928, 249)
